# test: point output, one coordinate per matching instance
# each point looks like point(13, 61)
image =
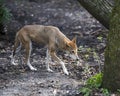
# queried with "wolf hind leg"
point(28, 47)
point(14, 51)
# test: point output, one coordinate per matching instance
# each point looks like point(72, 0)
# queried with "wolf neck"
point(61, 42)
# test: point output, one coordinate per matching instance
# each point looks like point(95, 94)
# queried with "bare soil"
point(20, 81)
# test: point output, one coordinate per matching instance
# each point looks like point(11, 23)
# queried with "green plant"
point(4, 13)
point(85, 91)
point(105, 92)
point(100, 38)
point(89, 50)
point(95, 81)
point(118, 90)
point(86, 56)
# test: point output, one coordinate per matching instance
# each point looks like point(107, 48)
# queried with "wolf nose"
point(77, 59)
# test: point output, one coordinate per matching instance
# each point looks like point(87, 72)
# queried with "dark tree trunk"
point(100, 9)
point(2, 29)
point(111, 77)
point(1, 23)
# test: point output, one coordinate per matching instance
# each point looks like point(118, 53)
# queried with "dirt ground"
point(72, 20)
point(20, 81)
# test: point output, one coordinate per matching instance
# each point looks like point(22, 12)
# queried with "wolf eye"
point(72, 51)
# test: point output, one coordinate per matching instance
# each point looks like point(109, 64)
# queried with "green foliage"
point(4, 13)
point(95, 81)
point(100, 38)
point(105, 92)
point(86, 91)
point(118, 90)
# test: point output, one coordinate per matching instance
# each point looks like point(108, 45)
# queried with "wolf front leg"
point(54, 56)
point(48, 59)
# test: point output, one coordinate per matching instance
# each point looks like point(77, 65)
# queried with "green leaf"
point(95, 81)
point(86, 91)
point(4, 13)
point(105, 92)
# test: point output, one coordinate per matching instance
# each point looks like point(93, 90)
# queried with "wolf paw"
point(66, 72)
point(49, 70)
point(33, 69)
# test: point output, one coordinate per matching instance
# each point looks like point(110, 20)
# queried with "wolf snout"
point(77, 59)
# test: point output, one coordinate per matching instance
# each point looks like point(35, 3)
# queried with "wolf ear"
point(74, 39)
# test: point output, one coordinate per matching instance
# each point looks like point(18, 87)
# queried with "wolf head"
point(72, 48)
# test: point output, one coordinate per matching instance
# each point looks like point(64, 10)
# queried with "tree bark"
point(2, 29)
point(100, 9)
point(111, 77)
point(1, 23)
